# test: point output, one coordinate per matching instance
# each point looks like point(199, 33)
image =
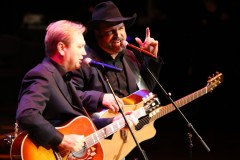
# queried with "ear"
point(61, 47)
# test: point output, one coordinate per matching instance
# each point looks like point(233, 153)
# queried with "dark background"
point(197, 39)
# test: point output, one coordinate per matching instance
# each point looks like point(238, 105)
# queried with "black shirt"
point(118, 80)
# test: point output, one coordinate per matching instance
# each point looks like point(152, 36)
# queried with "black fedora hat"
point(108, 12)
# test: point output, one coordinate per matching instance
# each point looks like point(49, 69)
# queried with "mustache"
point(118, 39)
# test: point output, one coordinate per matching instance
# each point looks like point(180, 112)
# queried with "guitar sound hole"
point(80, 153)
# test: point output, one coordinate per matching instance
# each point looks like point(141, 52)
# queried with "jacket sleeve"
point(33, 97)
point(91, 99)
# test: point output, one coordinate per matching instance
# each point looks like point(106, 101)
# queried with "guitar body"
point(122, 140)
point(24, 148)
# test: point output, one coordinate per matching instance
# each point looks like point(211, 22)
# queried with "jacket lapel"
point(58, 79)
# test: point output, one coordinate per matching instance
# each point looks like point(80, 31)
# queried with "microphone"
point(124, 44)
point(100, 65)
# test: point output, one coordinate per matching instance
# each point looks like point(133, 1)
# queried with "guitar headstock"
point(214, 81)
point(150, 104)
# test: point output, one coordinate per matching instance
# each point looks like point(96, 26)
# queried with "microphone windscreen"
point(124, 44)
point(87, 60)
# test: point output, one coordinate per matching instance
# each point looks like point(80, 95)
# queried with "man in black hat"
point(107, 32)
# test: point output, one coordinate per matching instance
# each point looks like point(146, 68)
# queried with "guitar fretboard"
point(111, 128)
point(179, 103)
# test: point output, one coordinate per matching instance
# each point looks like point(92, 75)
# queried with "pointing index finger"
point(147, 32)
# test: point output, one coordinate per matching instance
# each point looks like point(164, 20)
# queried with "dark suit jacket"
point(93, 83)
point(44, 103)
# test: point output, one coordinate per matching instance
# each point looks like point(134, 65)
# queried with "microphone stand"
point(190, 126)
point(104, 71)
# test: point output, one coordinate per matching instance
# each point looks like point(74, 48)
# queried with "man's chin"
point(117, 49)
point(77, 66)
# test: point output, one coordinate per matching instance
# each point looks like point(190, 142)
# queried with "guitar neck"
point(108, 130)
point(179, 103)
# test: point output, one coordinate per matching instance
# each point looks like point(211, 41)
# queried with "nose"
point(117, 33)
point(84, 52)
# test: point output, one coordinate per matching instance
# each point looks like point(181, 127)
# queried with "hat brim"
point(128, 21)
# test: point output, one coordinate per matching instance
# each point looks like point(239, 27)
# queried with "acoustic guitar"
point(123, 141)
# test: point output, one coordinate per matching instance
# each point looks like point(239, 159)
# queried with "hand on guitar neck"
point(109, 102)
point(136, 97)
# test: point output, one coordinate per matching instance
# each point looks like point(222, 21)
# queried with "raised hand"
point(149, 44)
